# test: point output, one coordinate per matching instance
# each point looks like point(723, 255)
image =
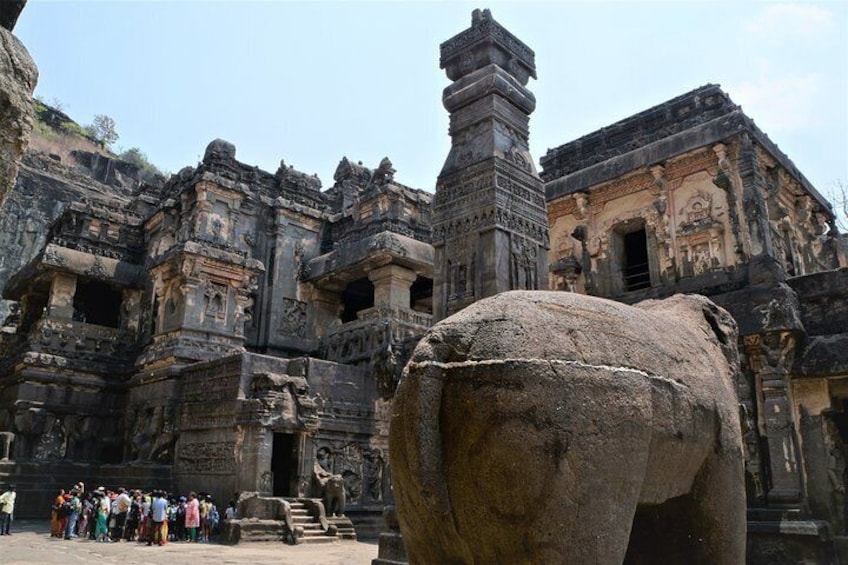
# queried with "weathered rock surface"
point(532, 427)
point(18, 75)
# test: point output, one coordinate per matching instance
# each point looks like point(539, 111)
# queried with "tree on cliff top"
point(103, 129)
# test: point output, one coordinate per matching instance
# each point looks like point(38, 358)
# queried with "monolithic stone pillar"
point(490, 228)
point(391, 285)
point(770, 356)
point(61, 302)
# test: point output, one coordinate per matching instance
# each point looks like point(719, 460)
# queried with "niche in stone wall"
point(358, 295)
point(421, 295)
point(96, 302)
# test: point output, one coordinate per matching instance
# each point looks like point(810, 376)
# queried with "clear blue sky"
point(312, 82)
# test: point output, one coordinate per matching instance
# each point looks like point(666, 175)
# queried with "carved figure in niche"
point(301, 265)
point(324, 459)
point(266, 483)
point(373, 472)
point(217, 227)
point(161, 450)
point(456, 417)
point(52, 443)
point(701, 262)
point(523, 268)
point(173, 299)
point(215, 296)
point(81, 434)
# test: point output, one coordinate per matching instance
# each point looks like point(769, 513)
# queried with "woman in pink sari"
point(192, 517)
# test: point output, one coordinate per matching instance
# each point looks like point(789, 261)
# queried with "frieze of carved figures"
point(523, 264)
point(283, 399)
point(293, 318)
point(207, 457)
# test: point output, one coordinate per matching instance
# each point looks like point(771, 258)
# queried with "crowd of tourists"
point(155, 517)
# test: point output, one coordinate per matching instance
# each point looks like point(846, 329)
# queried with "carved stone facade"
point(690, 196)
point(216, 331)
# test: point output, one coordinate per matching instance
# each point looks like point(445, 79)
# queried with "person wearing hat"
point(7, 507)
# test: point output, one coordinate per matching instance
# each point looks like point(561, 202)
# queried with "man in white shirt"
point(123, 504)
point(7, 507)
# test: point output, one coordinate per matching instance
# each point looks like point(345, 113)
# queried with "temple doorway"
point(283, 463)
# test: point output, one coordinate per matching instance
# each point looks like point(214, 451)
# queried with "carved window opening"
point(421, 295)
point(97, 303)
point(357, 296)
point(636, 267)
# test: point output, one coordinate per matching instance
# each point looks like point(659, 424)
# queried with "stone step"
point(324, 539)
point(774, 514)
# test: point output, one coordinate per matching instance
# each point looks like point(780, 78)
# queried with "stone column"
point(770, 356)
point(391, 285)
point(61, 302)
point(490, 224)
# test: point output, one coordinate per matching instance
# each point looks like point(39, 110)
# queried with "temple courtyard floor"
point(30, 542)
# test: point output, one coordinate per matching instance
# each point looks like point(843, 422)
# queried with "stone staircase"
point(313, 532)
point(265, 523)
point(344, 527)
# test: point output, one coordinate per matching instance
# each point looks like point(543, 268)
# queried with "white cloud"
point(780, 20)
point(778, 101)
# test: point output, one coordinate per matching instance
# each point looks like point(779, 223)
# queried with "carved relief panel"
point(700, 236)
point(215, 301)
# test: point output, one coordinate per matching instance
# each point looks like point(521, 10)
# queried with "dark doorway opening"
point(421, 295)
point(357, 296)
point(637, 273)
point(283, 463)
point(98, 303)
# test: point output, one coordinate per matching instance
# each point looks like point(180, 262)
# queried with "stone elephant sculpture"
point(334, 496)
point(552, 427)
point(330, 488)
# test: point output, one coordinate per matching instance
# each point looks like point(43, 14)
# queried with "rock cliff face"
point(18, 75)
point(46, 184)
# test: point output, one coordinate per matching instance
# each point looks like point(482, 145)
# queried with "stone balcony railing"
point(374, 329)
point(71, 344)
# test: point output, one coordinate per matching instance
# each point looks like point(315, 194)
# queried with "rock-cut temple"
point(230, 329)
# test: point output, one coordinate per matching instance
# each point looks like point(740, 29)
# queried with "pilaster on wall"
point(770, 357)
point(490, 230)
point(62, 291)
